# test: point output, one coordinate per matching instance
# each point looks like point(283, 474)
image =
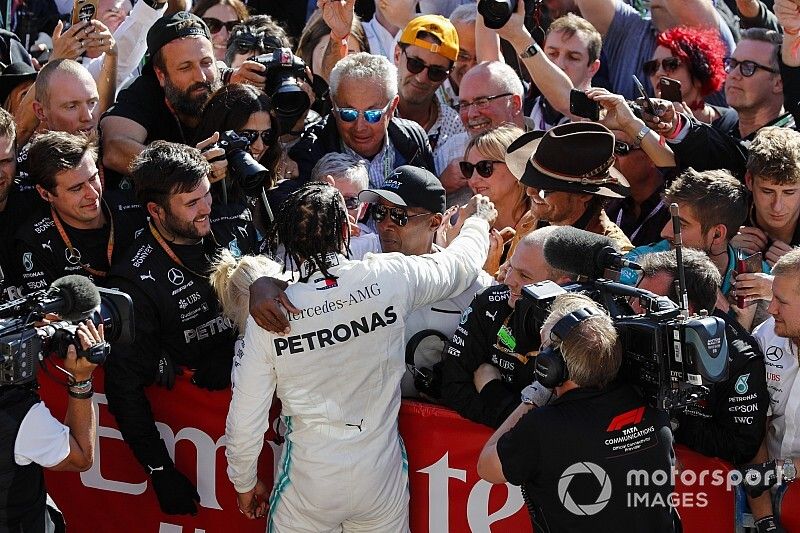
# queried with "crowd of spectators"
point(138, 146)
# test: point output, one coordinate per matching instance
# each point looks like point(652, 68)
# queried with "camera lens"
point(496, 12)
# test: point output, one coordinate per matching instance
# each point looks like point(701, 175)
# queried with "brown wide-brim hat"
point(574, 157)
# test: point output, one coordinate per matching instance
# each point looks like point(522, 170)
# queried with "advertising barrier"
point(446, 493)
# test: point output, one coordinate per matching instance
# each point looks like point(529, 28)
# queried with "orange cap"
point(439, 27)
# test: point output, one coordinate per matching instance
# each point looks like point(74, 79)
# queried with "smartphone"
point(747, 264)
point(670, 89)
point(582, 106)
point(648, 104)
point(84, 10)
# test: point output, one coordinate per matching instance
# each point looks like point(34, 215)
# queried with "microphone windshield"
point(79, 297)
point(576, 251)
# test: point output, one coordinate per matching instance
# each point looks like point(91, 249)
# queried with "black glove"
point(176, 494)
point(768, 524)
point(166, 372)
point(758, 478)
point(214, 373)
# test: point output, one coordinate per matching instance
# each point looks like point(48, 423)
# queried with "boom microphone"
point(75, 298)
point(583, 253)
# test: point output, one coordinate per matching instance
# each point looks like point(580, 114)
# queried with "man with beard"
point(178, 319)
point(165, 101)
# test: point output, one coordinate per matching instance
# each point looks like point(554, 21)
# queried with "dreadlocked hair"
point(311, 223)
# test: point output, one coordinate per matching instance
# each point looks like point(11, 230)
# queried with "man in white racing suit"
point(338, 371)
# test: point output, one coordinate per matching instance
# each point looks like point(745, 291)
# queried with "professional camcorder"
point(670, 356)
point(243, 169)
point(23, 346)
point(284, 75)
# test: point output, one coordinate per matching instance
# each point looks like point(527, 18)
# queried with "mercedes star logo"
point(774, 353)
point(73, 256)
point(175, 276)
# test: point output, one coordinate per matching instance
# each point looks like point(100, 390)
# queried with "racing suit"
point(730, 423)
point(178, 321)
point(42, 255)
point(338, 375)
point(490, 332)
point(780, 358)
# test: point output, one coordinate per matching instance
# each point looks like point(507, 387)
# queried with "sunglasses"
point(747, 68)
point(216, 25)
point(435, 72)
point(349, 114)
point(399, 216)
point(480, 103)
point(485, 168)
point(623, 148)
point(267, 136)
point(668, 65)
point(352, 202)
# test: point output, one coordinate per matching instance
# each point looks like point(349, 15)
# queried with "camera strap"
point(64, 237)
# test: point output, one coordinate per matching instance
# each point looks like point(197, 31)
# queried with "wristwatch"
point(526, 396)
point(640, 136)
point(531, 51)
point(789, 470)
point(155, 4)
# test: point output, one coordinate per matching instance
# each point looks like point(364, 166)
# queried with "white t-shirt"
point(780, 359)
point(41, 439)
point(381, 42)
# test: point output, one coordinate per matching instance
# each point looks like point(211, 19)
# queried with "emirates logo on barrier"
point(585, 509)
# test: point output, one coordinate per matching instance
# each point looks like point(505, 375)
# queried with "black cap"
point(171, 27)
point(409, 186)
point(13, 75)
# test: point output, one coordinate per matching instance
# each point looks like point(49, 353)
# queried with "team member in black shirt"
point(178, 319)
point(80, 230)
point(574, 457)
point(489, 358)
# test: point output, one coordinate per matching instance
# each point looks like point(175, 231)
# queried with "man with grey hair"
point(585, 428)
point(490, 95)
point(490, 356)
point(349, 174)
point(363, 90)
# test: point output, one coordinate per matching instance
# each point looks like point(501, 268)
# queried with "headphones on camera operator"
point(551, 367)
point(427, 381)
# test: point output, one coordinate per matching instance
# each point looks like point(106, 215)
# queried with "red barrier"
point(446, 492)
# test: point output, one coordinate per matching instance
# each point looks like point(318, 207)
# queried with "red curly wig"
point(701, 50)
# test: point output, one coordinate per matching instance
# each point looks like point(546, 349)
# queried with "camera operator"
point(33, 440)
point(584, 431)
point(731, 421)
point(489, 359)
point(178, 320)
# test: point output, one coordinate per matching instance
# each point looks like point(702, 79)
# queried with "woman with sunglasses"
point(487, 174)
point(248, 112)
point(220, 16)
point(694, 57)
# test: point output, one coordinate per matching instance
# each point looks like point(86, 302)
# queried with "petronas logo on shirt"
point(741, 384)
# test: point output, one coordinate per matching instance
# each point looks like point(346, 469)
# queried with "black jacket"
point(731, 422)
point(408, 138)
point(177, 315)
point(478, 340)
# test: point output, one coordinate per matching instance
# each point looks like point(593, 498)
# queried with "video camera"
point(284, 74)
point(670, 356)
point(23, 346)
